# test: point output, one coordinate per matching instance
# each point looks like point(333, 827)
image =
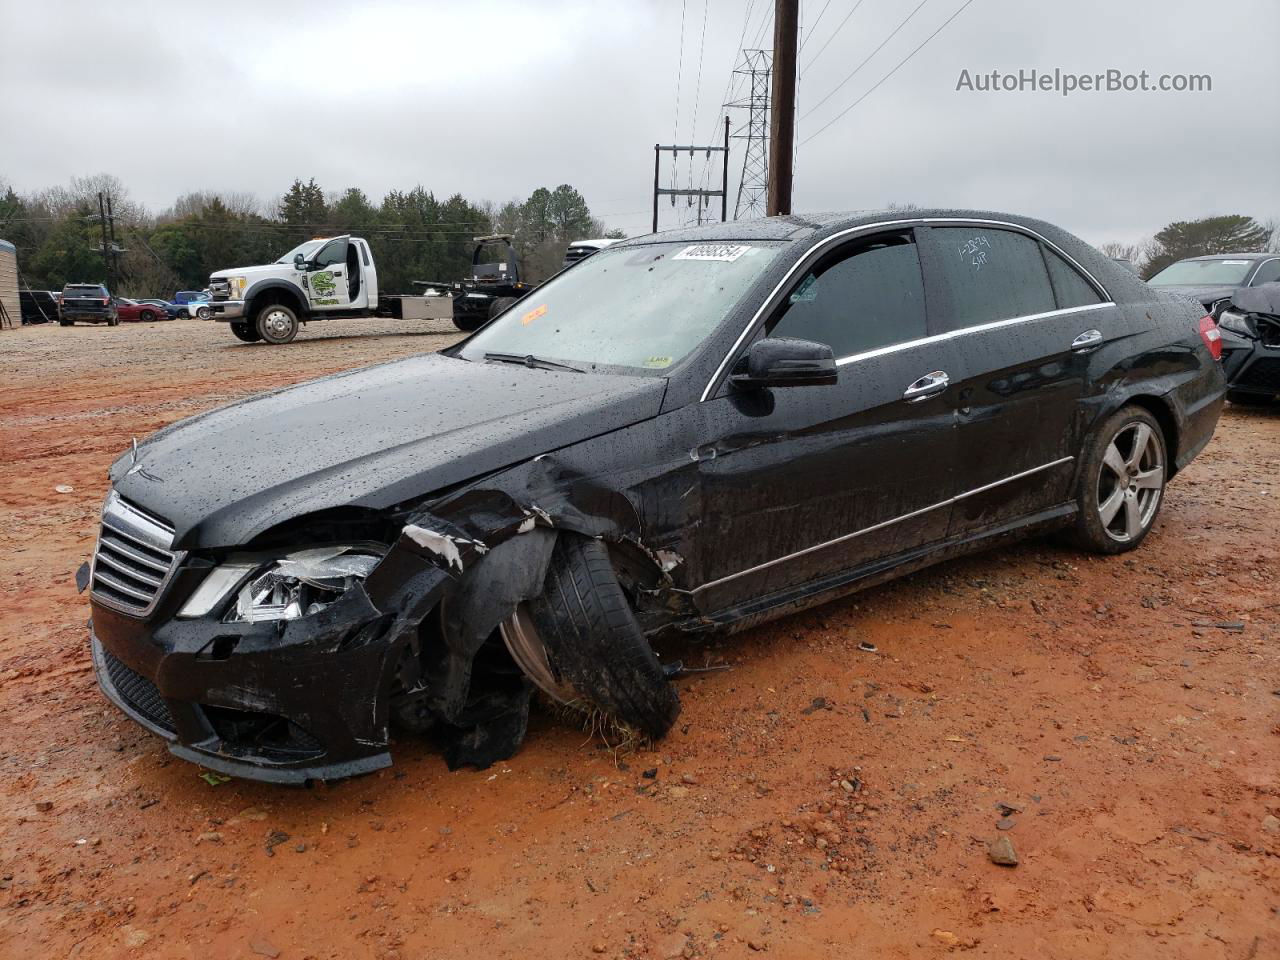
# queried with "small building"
point(9, 282)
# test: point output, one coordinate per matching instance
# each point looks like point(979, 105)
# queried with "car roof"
point(1232, 256)
point(1121, 283)
point(816, 225)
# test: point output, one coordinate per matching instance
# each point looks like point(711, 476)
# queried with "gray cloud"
point(494, 99)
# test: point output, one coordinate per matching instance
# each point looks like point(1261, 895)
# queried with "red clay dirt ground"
point(1137, 742)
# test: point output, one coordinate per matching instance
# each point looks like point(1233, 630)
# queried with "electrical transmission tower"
point(753, 188)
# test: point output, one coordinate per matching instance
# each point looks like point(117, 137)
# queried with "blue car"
point(184, 303)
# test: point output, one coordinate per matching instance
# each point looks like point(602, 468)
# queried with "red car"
point(141, 310)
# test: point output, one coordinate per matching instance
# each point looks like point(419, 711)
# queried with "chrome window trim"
point(965, 331)
point(950, 501)
point(1258, 269)
point(882, 225)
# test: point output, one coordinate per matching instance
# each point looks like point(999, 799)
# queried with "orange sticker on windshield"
point(533, 315)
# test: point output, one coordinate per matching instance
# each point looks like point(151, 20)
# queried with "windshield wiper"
point(529, 360)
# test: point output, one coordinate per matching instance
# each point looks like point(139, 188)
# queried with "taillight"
point(1211, 336)
point(106, 301)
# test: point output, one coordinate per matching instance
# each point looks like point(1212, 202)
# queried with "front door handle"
point(1089, 340)
point(930, 385)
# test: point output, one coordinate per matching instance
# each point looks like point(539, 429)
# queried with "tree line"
point(1231, 233)
point(414, 234)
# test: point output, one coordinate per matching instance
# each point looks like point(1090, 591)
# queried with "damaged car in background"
point(1251, 345)
point(686, 432)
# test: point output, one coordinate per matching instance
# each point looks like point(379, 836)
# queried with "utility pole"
point(111, 227)
point(782, 126)
point(703, 195)
point(106, 250)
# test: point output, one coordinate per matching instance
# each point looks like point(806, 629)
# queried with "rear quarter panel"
point(1159, 360)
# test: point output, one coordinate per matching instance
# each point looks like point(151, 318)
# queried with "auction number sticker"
point(723, 252)
point(533, 315)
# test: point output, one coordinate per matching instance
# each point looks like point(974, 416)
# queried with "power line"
point(675, 127)
point(813, 26)
point(900, 64)
point(834, 34)
point(893, 34)
point(697, 92)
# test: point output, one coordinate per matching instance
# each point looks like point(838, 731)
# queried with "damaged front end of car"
point(292, 663)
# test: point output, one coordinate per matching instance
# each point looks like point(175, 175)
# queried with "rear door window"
point(1071, 289)
point(992, 275)
point(865, 295)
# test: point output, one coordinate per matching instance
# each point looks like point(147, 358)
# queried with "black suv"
point(90, 302)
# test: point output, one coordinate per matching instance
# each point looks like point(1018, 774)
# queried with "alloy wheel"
point(1130, 482)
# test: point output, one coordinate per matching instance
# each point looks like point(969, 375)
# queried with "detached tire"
point(594, 643)
point(276, 324)
point(245, 332)
point(1121, 485)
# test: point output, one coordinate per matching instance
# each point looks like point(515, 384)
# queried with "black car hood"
point(1206, 295)
point(372, 437)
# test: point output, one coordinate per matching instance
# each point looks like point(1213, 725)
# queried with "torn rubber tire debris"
point(594, 642)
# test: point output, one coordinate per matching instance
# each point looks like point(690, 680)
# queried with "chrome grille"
point(220, 289)
point(134, 559)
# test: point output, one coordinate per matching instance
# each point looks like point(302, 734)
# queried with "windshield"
point(306, 249)
point(1203, 273)
point(636, 307)
point(83, 290)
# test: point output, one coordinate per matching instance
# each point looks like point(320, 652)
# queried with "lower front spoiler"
point(145, 707)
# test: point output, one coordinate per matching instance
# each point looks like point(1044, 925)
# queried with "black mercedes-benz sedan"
point(689, 431)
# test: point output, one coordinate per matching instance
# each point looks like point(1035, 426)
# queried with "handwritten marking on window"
point(975, 251)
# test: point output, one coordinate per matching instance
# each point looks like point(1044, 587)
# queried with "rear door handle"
point(1089, 340)
point(930, 385)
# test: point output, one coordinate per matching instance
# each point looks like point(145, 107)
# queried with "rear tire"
point(594, 643)
point(66, 323)
point(147, 316)
point(277, 324)
point(1121, 484)
point(113, 321)
point(246, 332)
point(204, 313)
point(501, 305)
point(468, 323)
point(1249, 399)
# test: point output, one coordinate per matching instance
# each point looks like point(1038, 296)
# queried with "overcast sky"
point(493, 99)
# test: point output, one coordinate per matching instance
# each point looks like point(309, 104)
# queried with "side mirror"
point(785, 362)
point(299, 262)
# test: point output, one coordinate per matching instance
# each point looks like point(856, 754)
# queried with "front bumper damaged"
point(314, 698)
point(284, 702)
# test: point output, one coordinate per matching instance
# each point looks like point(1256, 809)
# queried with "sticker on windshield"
point(533, 315)
point(657, 362)
point(723, 252)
